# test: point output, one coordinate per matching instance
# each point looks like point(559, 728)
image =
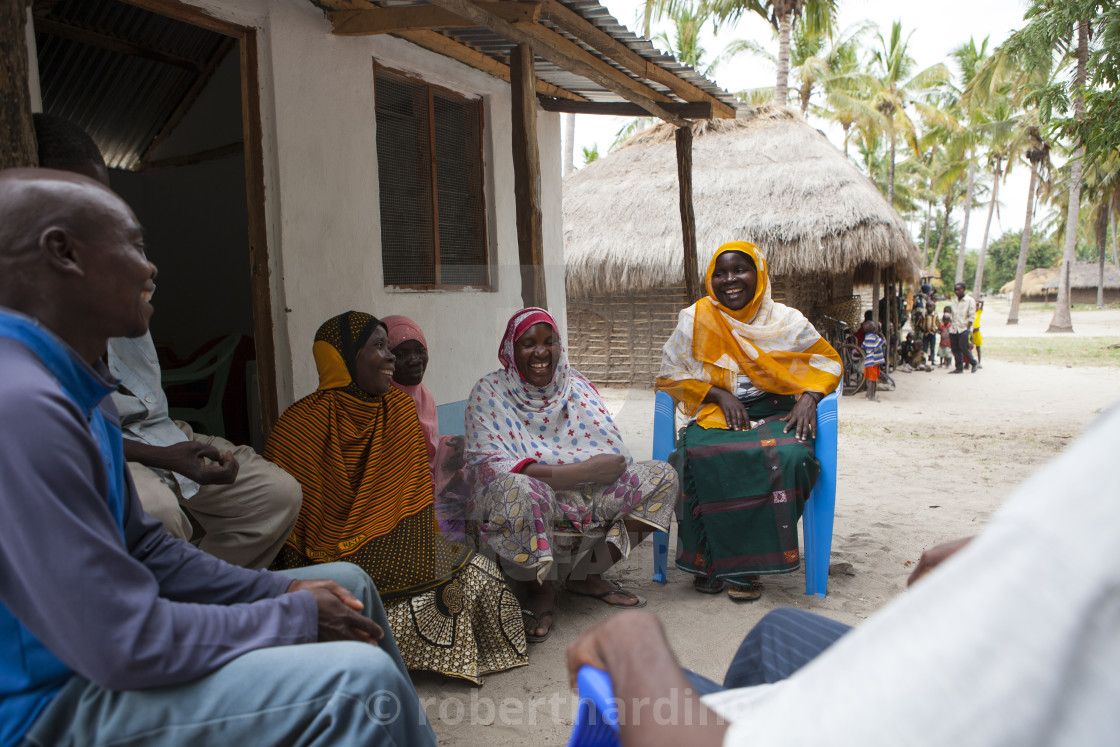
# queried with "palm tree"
point(1038, 154)
point(1063, 27)
point(819, 16)
point(999, 127)
point(1102, 184)
point(895, 89)
point(1029, 72)
point(969, 58)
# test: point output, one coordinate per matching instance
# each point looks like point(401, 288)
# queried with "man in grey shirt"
point(111, 630)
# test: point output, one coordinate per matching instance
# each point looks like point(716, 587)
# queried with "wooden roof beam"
point(371, 21)
point(573, 23)
point(559, 54)
point(546, 37)
point(471, 57)
point(690, 109)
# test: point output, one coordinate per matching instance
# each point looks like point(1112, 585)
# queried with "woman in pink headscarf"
point(445, 454)
point(554, 492)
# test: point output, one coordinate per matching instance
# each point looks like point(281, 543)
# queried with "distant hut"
point(1042, 284)
point(770, 179)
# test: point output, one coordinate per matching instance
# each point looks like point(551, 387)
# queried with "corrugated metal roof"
point(601, 17)
point(121, 98)
point(498, 47)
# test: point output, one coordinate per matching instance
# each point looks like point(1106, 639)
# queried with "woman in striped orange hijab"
point(356, 447)
point(748, 372)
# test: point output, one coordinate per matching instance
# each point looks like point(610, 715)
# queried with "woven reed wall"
point(616, 339)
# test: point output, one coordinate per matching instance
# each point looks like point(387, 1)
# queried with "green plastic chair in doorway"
point(213, 366)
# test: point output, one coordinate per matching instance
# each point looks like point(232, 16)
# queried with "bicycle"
point(840, 336)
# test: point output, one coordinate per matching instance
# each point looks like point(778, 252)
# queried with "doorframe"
point(259, 268)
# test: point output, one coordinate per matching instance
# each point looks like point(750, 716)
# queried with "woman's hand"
point(733, 410)
point(604, 468)
point(601, 468)
point(803, 417)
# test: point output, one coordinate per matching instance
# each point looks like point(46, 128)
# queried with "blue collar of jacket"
point(86, 386)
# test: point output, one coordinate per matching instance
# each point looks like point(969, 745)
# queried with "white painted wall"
point(322, 201)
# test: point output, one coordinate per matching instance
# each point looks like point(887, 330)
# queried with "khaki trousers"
point(245, 523)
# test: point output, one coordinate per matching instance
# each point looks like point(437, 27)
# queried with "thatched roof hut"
point(769, 178)
point(1042, 284)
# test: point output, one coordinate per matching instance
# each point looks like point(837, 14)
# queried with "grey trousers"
point(323, 694)
point(245, 523)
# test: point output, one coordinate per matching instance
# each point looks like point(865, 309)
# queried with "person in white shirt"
point(960, 330)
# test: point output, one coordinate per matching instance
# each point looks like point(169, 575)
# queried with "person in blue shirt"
point(874, 357)
point(112, 631)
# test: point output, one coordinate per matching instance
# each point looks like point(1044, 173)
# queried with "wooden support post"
point(527, 176)
point(688, 217)
point(876, 279)
point(17, 131)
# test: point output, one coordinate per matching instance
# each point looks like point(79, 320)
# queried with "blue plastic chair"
point(820, 509)
point(596, 723)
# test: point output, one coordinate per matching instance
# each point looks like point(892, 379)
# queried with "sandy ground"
point(929, 463)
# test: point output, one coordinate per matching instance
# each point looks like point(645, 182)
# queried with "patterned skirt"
point(743, 493)
point(467, 627)
point(546, 532)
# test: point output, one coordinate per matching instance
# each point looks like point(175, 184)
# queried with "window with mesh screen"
point(429, 162)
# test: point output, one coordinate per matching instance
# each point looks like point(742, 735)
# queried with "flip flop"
point(616, 590)
point(748, 592)
point(530, 637)
point(708, 585)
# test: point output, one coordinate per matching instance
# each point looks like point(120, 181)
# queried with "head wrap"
point(402, 329)
point(336, 348)
point(770, 343)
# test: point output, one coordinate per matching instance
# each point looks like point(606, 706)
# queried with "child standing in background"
point(874, 348)
point(977, 338)
point(943, 349)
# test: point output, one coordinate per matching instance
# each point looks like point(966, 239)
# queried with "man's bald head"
point(72, 255)
point(33, 199)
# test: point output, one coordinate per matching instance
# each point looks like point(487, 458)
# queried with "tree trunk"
point(925, 242)
point(17, 132)
point(959, 276)
point(1024, 248)
point(1062, 320)
point(847, 129)
point(979, 281)
point(569, 143)
point(781, 88)
point(1113, 219)
point(941, 238)
point(1100, 279)
point(890, 174)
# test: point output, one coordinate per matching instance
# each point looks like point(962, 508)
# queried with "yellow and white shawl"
point(772, 344)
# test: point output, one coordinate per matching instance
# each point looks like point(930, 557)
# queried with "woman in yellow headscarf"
point(748, 372)
point(356, 447)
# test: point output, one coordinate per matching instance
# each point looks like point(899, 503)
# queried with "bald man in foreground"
point(112, 631)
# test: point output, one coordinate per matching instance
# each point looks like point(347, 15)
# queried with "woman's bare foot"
point(539, 612)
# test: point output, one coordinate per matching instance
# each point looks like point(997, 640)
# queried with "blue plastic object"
point(664, 437)
point(596, 723)
point(819, 509)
